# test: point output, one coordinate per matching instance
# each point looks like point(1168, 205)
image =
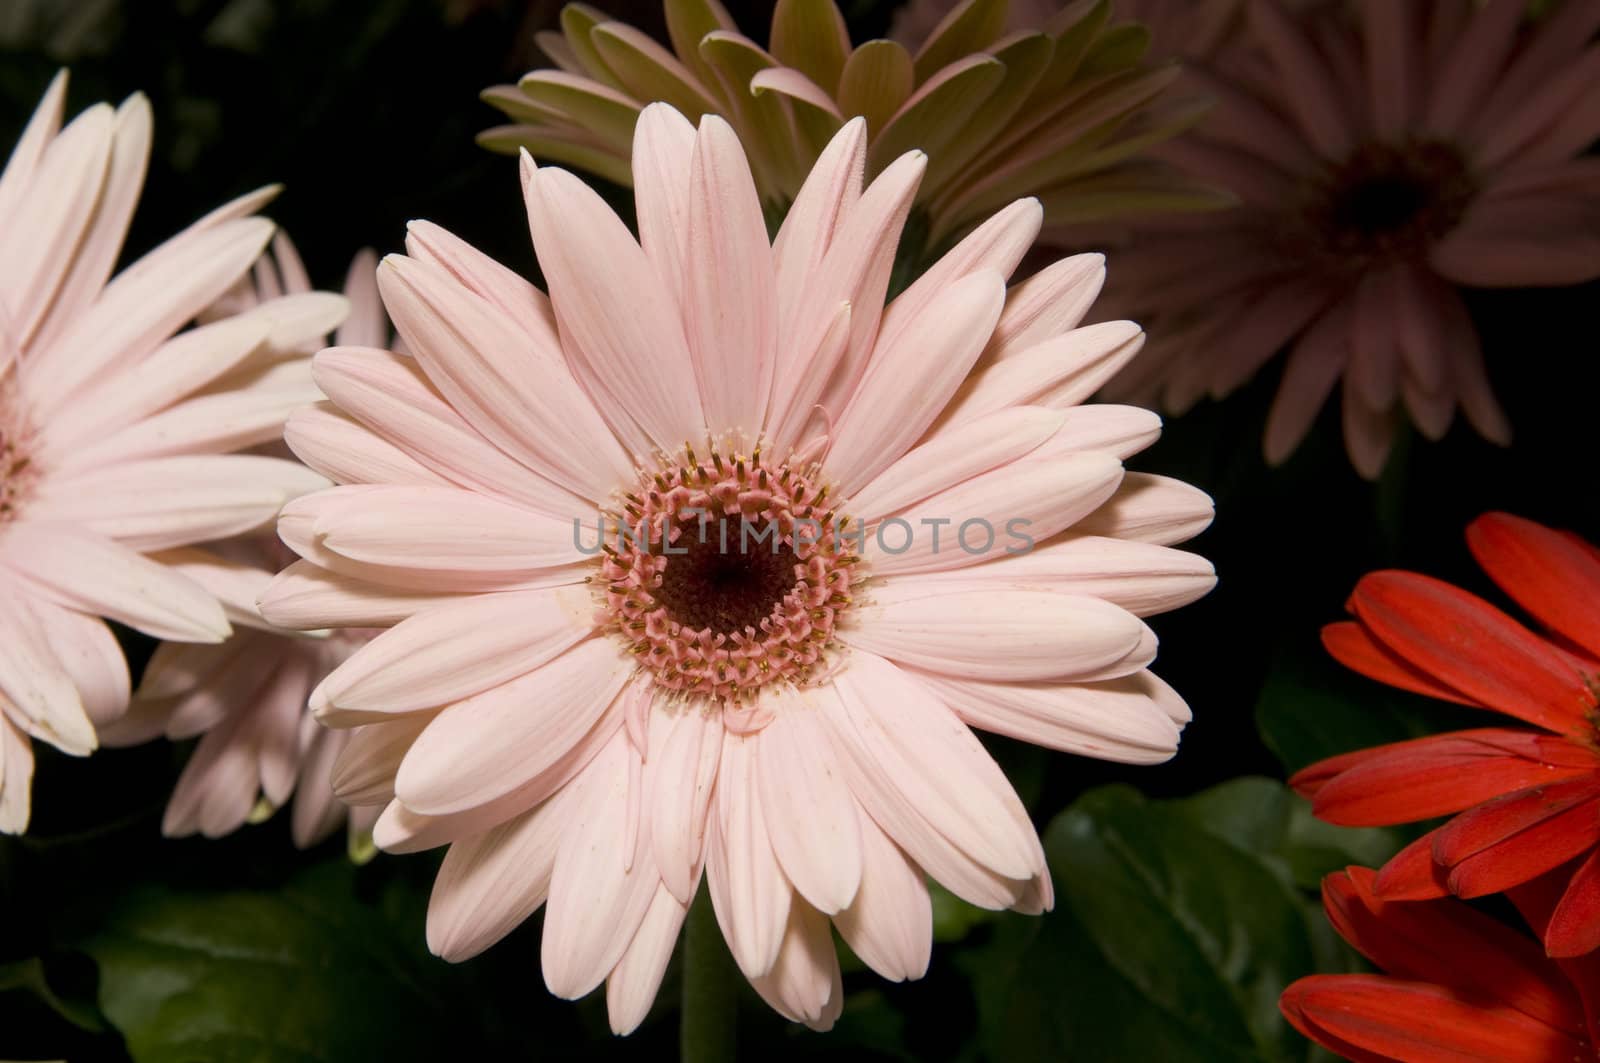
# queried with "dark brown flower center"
point(726, 587)
point(725, 575)
point(15, 470)
point(1387, 201)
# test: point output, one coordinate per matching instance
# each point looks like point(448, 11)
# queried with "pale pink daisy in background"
point(1383, 154)
point(247, 697)
point(1066, 111)
point(118, 427)
point(591, 730)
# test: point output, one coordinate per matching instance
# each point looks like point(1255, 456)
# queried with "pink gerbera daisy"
point(117, 431)
point(1384, 154)
point(247, 697)
point(590, 728)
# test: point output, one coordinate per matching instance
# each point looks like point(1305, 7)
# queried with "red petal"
point(1474, 647)
point(1354, 647)
point(1412, 874)
point(1575, 924)
point(1419, 1023)
point(1537, 901)
point(1514, 838)
point(1549, 575)
point(1290, 1003)
point(1438, 775)
point(1449, 943)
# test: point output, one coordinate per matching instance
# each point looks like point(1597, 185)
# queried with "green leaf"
point(307, 973)
point(29, 976)
point(1177, 925)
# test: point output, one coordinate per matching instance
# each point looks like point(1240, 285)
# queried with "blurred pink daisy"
point(116, 428)
point(247, 697)
point(591, 728)
point(1384, 154)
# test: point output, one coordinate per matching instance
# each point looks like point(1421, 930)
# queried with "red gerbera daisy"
point(1529, 798)
point(1460, 984)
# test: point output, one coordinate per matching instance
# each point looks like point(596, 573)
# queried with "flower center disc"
point(726, 575)
point(14, 465)
point(1389, 200)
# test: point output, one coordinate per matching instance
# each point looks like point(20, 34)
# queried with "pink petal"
point(16, 777)
point(489, 883)
point(633, 982)
point(163, 502)
point(804, 983)
point(998, 244)
point(42, 127)
point(951, 456)
point(619, 324)
point(811, 817)
point(1368, 432)
point(890, 922)
point(985, 630)
point(522, 305)
point(1047, 304)
point(663, 152)
point(346, 452)
point(828, 196)
point(730, 299)
point(44, 234)
point(219, 784)
point(39, 693)
point(1143, 578)
point(1113, 719)
point(1057, 372)
point(363, 772)
point(909, 381)
point(488, 745)
point(749, 892)
point(455, 650)
point(439, 528)
point(601, 889)
point(144, 305)
point(400, 830)
point(181, 365)
point(1024, 503)
point(1151, 509)
point(679, 777)
point(904, 751)
point(1315, 364)
point(1467, 72)
point(367, 324)
point(305, 597)
point(1308, 86)
point(90, 655)
point(84, 571)
point(391, 395)
point(482, 362)
point(854, 271)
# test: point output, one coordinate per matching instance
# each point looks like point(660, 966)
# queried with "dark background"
point(366, 112)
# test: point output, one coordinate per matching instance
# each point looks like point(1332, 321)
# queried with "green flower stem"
point(708, 1024)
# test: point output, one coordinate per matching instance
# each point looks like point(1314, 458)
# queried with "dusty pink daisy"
point(591, 729)
point(117, 430)
point(1384, 154)
point(247, 697)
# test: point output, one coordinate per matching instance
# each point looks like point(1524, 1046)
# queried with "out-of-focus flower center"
point(1389, 201)
point(726, 573)
point(15, 469)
